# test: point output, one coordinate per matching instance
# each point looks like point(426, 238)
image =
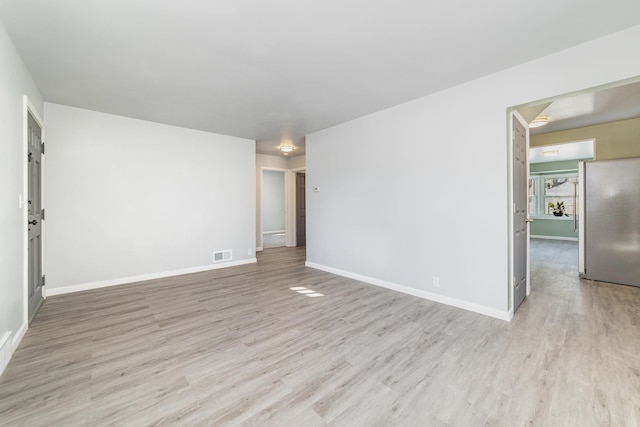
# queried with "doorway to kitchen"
point(594, 124)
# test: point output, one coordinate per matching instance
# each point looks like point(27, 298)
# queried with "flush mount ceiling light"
point(286, 149)
point(539, 121)
point(550, 153)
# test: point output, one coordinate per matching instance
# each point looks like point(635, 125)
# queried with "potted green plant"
point(558, 209)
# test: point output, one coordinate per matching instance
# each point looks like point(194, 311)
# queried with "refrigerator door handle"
point(581, 211)
point(575, 205)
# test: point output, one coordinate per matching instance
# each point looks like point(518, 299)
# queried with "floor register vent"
point(221, 256)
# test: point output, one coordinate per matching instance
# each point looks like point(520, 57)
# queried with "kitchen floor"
point(555, 252)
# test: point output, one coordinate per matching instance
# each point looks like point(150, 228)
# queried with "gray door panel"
point(519, 213)
point(35, 279)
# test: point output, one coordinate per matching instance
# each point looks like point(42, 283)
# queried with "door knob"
point(528, 220)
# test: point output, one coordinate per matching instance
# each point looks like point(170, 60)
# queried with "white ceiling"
point(280, 69)
point(590, 108)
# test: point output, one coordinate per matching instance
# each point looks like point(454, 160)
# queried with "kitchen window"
point(547, 188)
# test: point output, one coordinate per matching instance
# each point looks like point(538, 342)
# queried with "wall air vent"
point(222, 256)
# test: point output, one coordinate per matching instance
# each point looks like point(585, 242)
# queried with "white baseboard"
point(273, 232)
point(570, 239)
point(9, 344)
point(17, 338)
point(144, 277)
point(5, 351)
point(259, 249)
point(476, 308)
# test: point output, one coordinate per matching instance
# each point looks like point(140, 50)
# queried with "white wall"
point(298, 162)
point(15, 82)
point(422, 189)
point(127, 197)
point(273, 203)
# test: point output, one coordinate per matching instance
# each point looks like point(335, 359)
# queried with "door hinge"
point(514, 281)
point(43, 279)
point(42, 147)
point(42, 214)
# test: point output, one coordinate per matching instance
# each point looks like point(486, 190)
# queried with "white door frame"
point(514, 115)
point(290, 205)
point(291, 220)
point(287, 225)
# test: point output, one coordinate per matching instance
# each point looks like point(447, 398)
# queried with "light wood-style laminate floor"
point(237, 347)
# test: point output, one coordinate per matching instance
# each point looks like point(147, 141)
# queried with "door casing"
point(287, 198)
point(301, 234)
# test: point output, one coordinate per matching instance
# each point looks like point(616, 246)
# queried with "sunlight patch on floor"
point(308, 292)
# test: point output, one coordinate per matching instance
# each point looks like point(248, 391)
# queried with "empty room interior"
point(275, 213)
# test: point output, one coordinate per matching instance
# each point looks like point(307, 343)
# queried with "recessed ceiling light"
point(539, 121)
point(286, 148)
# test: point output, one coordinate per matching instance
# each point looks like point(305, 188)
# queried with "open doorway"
point(553, 196)
point(273, 209)
point(286, 168)
point(553, 206)
point(605, 120)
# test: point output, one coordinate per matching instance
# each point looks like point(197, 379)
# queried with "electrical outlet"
point(436, 282)
point(249, 251)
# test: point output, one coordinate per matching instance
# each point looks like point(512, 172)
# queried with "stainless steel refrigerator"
point(609, 227)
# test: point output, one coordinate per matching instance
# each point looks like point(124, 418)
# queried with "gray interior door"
point(301, 216)
point(520, 238)
point(35, 216)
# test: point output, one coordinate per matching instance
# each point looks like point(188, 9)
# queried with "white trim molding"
point(292, 219)
point(9, 345)
point(5, 351)
point(570, 239)
point(273, 232)
point(476, 308)
point(17, 338)
point(143, 277)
